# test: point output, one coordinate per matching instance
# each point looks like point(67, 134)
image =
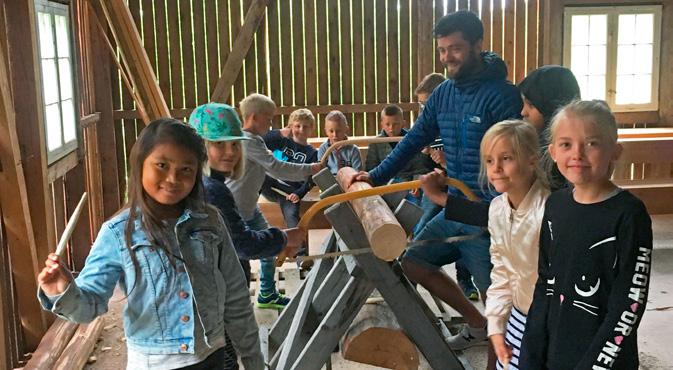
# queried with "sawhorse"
point(333, 293)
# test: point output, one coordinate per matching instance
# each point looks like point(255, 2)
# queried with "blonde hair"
point(590, 111)
point(302, 114)
point(256, 103)
point(336, 116)
point(524, 140)
point(239, 168)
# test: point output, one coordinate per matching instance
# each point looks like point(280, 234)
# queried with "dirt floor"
point(654, 336)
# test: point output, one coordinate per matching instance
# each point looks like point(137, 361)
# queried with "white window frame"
point(56, 8)
point(613, 13)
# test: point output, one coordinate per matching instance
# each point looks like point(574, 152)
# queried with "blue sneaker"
point(273, 300)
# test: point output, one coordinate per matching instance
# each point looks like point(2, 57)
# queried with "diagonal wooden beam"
point(135, 58)
point(16, 217)
point(231, 69)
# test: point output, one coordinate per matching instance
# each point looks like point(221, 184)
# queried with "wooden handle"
point(379, 190)
point(70, 227)
point(370, 140)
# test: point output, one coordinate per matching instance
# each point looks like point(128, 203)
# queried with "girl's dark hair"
point(160, 131)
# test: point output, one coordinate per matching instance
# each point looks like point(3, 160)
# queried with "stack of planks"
point(66, 346)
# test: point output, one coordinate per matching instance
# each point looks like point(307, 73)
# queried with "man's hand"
point(438, 157)
point(294, 198)
point(295, 238)
point(54, 278)
point(502, 350)
point(360, 176)
point(433, 185)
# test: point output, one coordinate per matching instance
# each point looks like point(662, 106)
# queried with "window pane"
point(596, 88)
point(579, 60)
point(643, 57)
point(642, 89)
point(627, 29)
point(46, 39)
point(65, 75)
point(644, 28)
point(598, 29)
point(580, 30)
point(69, 122)
point(598, 57)
point(625, 59)
point(62, 36)
point(624, 89)
point(49, 81)
point(53, 115)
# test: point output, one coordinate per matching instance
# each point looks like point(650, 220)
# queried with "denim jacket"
point(206, 280)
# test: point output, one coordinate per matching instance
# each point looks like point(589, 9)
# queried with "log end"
point(388, 241)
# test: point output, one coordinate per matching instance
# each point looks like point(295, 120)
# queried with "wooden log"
point(82, 343)
point(52, 345)
point(386, 236)
point(375, 338)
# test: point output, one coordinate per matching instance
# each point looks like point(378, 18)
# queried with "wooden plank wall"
point(341, 54)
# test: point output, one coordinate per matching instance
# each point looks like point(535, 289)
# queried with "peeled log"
point(386, 236)
point(375, 338)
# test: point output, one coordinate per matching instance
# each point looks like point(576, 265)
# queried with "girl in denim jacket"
point(172, 256)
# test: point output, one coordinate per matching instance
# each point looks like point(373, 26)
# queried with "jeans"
point(267, 265)
point(430, 209)
point(474, 253)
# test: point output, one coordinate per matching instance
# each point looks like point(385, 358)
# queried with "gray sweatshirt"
point(260, 162)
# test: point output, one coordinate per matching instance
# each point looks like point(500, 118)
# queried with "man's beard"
point(470, 65)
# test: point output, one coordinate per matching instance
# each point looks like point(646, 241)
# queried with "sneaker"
point(468, 337)
point(273, 300)
point(469, 290)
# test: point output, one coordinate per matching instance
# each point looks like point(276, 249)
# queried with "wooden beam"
point(135, 58)
point(239, 49)
point(79, 349)
point(16, 217)
point(26, 90)
point(52, 345)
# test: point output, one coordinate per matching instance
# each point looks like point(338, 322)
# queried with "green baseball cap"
point(216, 122)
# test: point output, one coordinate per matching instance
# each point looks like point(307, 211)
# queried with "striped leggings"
point(515, 327)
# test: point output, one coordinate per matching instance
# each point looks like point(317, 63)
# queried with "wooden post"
point(135, 58)
point(19, 228)
point(240, 47)
point(384, 232)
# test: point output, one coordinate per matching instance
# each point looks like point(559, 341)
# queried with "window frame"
point(54, 8)
point(613, 12)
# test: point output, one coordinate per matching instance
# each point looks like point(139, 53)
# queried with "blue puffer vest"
point(459, 111)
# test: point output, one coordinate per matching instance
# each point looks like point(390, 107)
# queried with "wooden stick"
point(70, 227)
point(374, 140)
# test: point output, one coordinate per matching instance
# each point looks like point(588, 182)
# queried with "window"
point(56, 61)
point(614, 53)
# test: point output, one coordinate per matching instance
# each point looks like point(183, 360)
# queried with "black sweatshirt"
point(591, 293)
point(288, 150)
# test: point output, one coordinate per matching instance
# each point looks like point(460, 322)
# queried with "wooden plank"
point(19, 235)
point(240, 49)
point(497, 30)
point(134, 57)
point(200, 49)
point(177, 100)
point(426, 50)
point(532, 43)
point(299, 58)
point(163, 57)
point(463, 5)
point(334, 51)
point(474, 6)
point(224, 37)
point(238, 87)
point(52, 345)
point(187, 48)
point(439, 12)
point(393, 53)
point(78, 350)
point(310, 55)
point(260, 57)
point(62, 166)
point(520, 41)
point(346, 52)
point(405, 75)
point(508, 47)
point(212, 67)
point(369, 66)
point(249, 64)
point(286, 55)
point(149, 31)
point(358, 67)
point(486, 19)
point(276, 89)
point(111, 190)
point(322, 58)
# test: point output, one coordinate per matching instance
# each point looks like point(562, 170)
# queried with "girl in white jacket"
point(509, 161)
